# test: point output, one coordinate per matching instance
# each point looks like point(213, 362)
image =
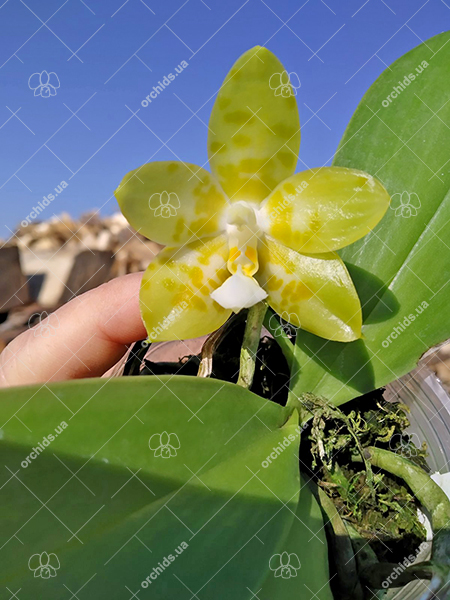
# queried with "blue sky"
point(108, 55)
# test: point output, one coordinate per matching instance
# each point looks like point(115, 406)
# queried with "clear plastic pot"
point(429, 404)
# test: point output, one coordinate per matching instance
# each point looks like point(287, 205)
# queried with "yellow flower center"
point(243, 234)
point(241, 290)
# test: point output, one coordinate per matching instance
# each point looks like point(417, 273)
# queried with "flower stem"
point(282, 339)
point(252, 334)
point(288, 349)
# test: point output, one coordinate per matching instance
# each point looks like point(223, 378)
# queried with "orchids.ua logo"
point(402, 85)
point(286, 200)
point(44, 84)
point(46, 325)
point(41, 446)
point(46, 200)
point(405, 204)
point(166, 81)
point(407, 561)
point(44, 565)
point(281, 447)
point(164, 445)
point(284, 84)
point(284, 325)
point(167, 321)
point(162, 565)
point(164, 204)
point(285, 565)
point(406, 444)
point(404, 324)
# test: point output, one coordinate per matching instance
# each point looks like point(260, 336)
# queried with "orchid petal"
point(254, 135)
point(193, 197)
point(324, 209)
point(175, 291)
point(239, 291)
point(316, 291)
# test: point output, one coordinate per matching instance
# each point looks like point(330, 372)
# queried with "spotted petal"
point(172, 202)
point(176, 287)
point(315, 291)
point(324, 209)
point(254, 135)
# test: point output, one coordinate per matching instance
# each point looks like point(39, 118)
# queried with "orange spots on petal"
point(198, 304)
point(169, 284)
point(273, 284)
point(241, 140)
point(288, 290)
point(234, 253)
point(283, 130)
point(302, 291)
point(223, 102)
point(287, 159)
point(179, 228)
point(237, 117)
point(289, 188)
point(251, 254)
point(217, 147)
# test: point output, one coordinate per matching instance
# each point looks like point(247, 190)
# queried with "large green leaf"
point(111, 509)
point(404, 264)
point(307, 541)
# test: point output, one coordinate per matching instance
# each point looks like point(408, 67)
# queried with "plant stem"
point(252, 334)
point(280, 336)
point(434, 499)
point(424, 488)
point(288, 350)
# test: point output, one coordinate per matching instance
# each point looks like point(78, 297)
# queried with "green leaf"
point(308, 542)
point(102, 499)
point(401, 270)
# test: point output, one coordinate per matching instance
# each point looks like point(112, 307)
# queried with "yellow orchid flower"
point(251, 230)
